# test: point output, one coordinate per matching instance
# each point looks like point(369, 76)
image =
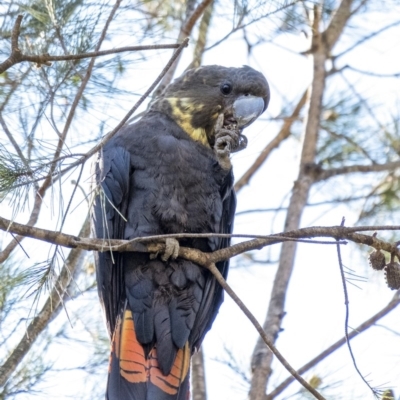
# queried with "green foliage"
point(12, 172)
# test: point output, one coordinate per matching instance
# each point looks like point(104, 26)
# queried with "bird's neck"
point(182, 111)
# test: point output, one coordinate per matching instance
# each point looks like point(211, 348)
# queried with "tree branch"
point(157, 243)
point(207, 260)
point(45, 59)
point(17, 56)
point(347, 316)
point(335, 28)
point(202, 37)
point(326, 174)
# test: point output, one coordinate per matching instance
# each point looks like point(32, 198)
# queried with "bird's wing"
point(112, 174)
point(213, 292)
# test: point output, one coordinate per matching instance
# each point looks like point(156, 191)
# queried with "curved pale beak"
point(246, 109)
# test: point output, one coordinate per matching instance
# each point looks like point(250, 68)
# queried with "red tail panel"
point(132, 361)
point(132, 376)
point(170, 383)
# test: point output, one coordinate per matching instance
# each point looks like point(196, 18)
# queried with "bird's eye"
point(226, 88)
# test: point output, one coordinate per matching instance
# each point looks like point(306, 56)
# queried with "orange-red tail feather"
point(135, 376)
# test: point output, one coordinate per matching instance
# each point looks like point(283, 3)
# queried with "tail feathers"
point(133, 376)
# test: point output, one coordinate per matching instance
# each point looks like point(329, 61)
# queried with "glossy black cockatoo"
point(169, 173)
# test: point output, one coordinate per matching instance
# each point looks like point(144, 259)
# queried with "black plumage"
point(168, 173)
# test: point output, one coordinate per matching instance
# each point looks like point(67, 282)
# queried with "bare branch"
point(332, 33)
point(45, 59)
point(335, 346)
point(17, 56)
point(321, 45)
point(157, 243)
point(189, 24)
point(316, 204)
point(13, 141)
point(15, 51)
point(326, 174)
point(262, 358)
point(347, 316)
point(207, 260)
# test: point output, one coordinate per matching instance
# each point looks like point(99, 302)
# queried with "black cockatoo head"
point(200, 95)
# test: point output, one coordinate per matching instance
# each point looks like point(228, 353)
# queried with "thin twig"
point(316, 204)
point(347, 315)
point(17, 57)
point(365, 38)
point(45, 58)
point(14, 143)
point(323, 175)
point(239, 25)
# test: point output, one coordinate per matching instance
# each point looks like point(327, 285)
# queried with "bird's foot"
point(227, 140)
point(171, 249)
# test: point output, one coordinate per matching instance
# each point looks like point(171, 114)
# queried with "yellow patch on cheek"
point(182, 111)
